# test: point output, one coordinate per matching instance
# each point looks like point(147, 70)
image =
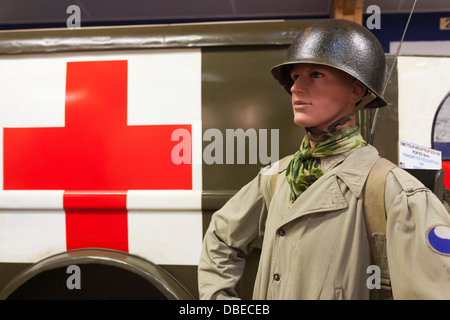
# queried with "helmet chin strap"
point(319, 135)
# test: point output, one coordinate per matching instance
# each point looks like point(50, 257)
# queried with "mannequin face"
point(322, 95)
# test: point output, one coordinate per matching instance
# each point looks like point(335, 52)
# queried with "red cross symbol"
point(95, 152)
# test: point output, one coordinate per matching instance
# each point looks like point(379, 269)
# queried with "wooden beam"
point(347, 9)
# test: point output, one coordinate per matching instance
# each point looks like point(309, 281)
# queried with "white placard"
point(413, 156)
point(423, 83)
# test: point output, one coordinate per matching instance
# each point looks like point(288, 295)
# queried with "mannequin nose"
point(299, 85)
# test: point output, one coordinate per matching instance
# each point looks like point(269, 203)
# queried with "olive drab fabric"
point(317, 248)
point(375, 218)
point(302, 171)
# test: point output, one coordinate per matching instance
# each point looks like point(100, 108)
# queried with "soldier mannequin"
point(311, 227)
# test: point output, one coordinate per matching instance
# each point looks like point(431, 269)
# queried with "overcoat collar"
point(325, 194)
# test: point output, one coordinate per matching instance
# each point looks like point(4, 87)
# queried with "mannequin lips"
point(300, 104)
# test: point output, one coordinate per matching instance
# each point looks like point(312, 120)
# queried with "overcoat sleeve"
point(418, 241)
point(235, 230)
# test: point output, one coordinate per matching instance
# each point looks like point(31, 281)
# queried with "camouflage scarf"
point(303, 169)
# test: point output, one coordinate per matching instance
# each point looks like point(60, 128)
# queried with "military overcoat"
point(317, 248)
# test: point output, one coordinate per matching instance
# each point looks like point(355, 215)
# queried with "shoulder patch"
point(438, 238)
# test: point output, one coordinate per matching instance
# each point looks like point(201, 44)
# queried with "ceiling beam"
point(347, 9)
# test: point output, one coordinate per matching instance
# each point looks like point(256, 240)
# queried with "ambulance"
point(118, 144)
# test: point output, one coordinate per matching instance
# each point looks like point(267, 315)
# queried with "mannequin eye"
point(294, 76)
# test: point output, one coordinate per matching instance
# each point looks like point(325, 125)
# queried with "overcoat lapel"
point(325, 195)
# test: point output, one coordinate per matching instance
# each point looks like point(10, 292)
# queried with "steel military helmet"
point(344, 45)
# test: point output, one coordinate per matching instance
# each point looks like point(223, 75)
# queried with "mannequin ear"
point(359, 91)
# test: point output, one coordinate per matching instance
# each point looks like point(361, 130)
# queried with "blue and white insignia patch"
point(438, 238)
